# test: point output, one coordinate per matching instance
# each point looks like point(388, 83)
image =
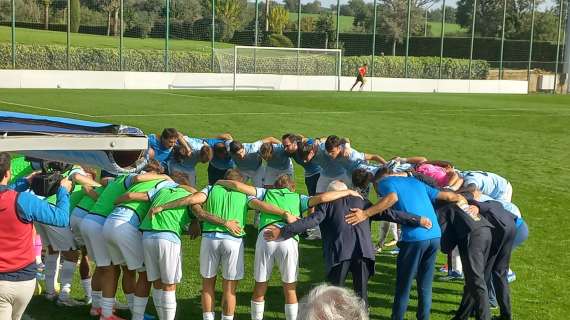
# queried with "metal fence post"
point(566, 66)
point(561, 9)
point(167, 36)
point(374, 39)
point(213, 32)
point(298, 33)
point(531, 40)
point(442, 36)
point(502, 40)
point(409, 13)
point(13, 34)
point(472, 36)
point(68, 10)
point(121, 34)
point(337, 23)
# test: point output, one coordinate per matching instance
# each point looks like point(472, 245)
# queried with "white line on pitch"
point(47, 109)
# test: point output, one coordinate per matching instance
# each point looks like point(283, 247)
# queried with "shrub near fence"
point(52, 57)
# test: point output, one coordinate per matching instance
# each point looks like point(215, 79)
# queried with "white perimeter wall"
point(163, 80)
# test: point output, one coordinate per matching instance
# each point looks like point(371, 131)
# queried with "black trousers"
point(361, 269)
point(497, 270)
point(474, 252)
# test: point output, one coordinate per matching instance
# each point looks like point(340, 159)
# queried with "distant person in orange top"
point(360, 76)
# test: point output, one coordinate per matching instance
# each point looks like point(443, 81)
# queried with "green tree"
point(292, 5)
point(489, 18)
point(312, 7)
point(326, 24)
point(229, 12)
point(46, 5)
point(277, 19)
point(308, 24)
point(75, 15)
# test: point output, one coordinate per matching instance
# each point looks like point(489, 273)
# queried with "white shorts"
point(75, 224)
point(163, 260)
point(271, 174)
point(256, 176)
point(227, 251)
point(324, 182)
point(284, 253)
point(124, 244)
point(92, 233)
point(60, 239)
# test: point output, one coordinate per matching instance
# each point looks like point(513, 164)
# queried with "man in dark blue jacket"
point(346, 248)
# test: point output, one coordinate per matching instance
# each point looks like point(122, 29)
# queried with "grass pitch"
point(524, 138)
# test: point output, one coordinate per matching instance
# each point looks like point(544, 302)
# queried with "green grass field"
point(522, 137)
point(43, 37)
point(450, 28)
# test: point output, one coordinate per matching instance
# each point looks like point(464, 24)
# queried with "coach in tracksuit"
point(501, 248)
point(472, 234)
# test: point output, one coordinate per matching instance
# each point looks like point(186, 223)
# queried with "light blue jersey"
point(337, 167)
point(489, 183)
point(509, 206)
point(252, 160)
point(188, 165)
point(279, 159)
point(219, 163)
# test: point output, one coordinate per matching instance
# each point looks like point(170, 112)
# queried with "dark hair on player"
point(206, 154)
point(332, 142)
point(381, 173)
point(235, 146)
point(294, 138)
point(177, 154)
point(5, 161)
point(266, 150)
point(233, 174)
point(361, 178)
point(169, 133)
point(153, 166)
point(285, 181)
point(220, 150)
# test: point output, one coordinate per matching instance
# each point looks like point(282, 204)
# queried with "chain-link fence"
point(431, 39)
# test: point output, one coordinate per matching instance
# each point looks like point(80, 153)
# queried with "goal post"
point(281, 68)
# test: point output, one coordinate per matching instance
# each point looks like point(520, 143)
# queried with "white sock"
point(291, 311)
point(169, 305)
point(257, 309)
point(86, 284)
point(208, 315)
point(139, 306)
point(157, 299)
point(67, 272)
point(107, 305)
point(224, 317)
point(130, 299)
point(52, 267)
point(96, 299)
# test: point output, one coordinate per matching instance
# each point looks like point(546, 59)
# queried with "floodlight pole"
point(298, 32)
point(373, 40)
point(256, 32)
point(531, 40)
point(502, 40)
point(337, 23)
point(122, 31)
point(561, 9)
point(409, 12)
point(13, 34)
point(472, 36)
point(235, 67)
point(442, 36)
point(67, 60)
point(213, 32)
point(166, 42)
